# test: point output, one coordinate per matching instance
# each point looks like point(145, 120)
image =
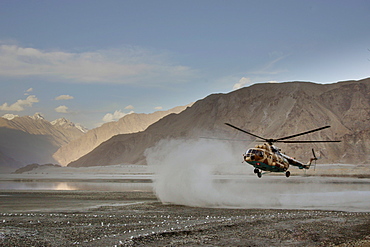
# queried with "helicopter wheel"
point(287, 174)
point(259, 174)
point(256, 170)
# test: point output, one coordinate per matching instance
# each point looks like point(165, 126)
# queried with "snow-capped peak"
point(82, 128)
point(38, 116)
point(61, 122)
point(9, 116)
point(65, 123)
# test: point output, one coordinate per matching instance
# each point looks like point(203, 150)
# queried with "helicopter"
point(267, 157)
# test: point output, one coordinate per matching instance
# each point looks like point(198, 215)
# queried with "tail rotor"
point(314, 158)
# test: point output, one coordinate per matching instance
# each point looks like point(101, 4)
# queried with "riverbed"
point(128, 210)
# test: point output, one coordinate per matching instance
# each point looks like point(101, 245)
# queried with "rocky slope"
point(128, 124)
point(32, 139)
point(269, 110)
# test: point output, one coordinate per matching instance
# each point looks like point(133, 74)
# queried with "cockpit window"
point(254, 152)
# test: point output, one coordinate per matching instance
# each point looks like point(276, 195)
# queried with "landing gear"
point(258, 172)
point(287, 174)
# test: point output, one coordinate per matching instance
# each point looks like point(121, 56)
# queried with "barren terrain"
point(120, 206)
point(137, 219)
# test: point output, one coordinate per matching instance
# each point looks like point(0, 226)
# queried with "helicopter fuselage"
point(266, 158)
point(269, 158)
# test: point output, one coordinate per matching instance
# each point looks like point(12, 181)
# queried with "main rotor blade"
point(305, 141)
point(284, 138)
point(232, 126)
point(303, 133)
point(225, 139)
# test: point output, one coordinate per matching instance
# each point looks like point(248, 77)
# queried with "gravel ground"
point(65, 218)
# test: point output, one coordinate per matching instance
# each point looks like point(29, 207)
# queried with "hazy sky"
point(94, 61)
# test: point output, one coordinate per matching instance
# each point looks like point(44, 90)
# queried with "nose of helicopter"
point(249, 158)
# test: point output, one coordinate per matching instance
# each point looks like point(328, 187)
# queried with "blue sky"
point(94, 61)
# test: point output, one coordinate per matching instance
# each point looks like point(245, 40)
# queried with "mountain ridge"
point(131, 123)
point(32, 139)
point(267, 109)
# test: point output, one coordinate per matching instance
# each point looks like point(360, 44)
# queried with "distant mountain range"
point(270, 110)
point(130, 123)
point(32, 139)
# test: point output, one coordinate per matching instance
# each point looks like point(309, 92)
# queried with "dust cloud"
point(209, 173)
point(184, 171)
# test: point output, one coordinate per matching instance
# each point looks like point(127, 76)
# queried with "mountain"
point(66, 124)
point(130, 123)
point(270, 110)
point(32, 139)
point(7, 163)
